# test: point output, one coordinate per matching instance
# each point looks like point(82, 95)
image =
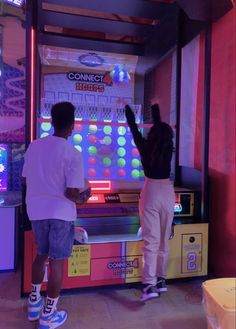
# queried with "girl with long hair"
point(157, 199)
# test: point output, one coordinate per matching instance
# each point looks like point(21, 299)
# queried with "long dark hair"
point(160, 142)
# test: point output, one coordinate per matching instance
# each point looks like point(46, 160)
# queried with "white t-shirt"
point(51, 165)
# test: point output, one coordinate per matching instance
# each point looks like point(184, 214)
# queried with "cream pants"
point(156, 208)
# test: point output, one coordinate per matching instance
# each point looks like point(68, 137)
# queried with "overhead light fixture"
point(91, 60)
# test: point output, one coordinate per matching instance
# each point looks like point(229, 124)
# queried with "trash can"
point(219, 301)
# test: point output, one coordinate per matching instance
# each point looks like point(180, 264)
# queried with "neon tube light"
point(100, 185)
point(32, 77)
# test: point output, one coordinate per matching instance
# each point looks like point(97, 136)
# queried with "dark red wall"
point(158, 87)
point(222, 148)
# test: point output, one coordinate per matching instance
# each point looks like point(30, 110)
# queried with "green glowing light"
point(77, 138)
point(141, 173)
point(107, 140)
point(44, 135)
point(135, 163)
point(135, 173)
point(46, 126)
point(121, 162)
point(106, 162)
point(121, 151)
point(92, 150)
point(121, 130)
point(121, 141)
point(107, 130)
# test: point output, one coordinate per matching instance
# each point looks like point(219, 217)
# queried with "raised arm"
point(137, 136)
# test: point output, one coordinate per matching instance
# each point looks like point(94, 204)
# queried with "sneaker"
point(54, 320)
point(34, 309)
point(149, 292)
point(161, 285)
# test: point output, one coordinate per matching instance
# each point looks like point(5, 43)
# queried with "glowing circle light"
point(77, 138)
point(92, 161)
point(121, 141)
point(121, 151)
point(92, 172)
point(107, 140)
point(135, 173)
point(121, 162)
point(121, 172)
point(106, 162)
point(44, 135)
point(46, 126)
point(92, 150)
point(135, 163)
point(78, 147)
point(93, 128)
point(92, 139)
point(135, 152)
point(107, 130)
point(106, 172)
point(121, 130)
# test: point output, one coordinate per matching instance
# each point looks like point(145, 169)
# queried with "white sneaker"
point(54, 320)
point(149, 292)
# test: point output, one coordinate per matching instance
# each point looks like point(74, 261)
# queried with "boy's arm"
point(79, 195)
point(72, 194)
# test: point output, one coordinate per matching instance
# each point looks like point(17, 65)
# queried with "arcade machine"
point(11, 161)
point(110, 250)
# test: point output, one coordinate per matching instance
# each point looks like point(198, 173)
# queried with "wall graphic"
point(12, 100)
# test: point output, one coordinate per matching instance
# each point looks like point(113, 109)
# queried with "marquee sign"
point(90, 78)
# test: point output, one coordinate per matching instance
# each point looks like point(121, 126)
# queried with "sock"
point(35, 293)
point(50, 306)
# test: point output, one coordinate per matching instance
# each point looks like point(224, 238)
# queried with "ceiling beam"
point(88, 44)
point(92, 24)
point(134, 8)
point(205, 10)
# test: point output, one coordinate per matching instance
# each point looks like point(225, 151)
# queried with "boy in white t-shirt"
point(54, 174)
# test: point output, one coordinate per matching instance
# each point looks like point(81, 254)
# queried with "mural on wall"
point(12, 100)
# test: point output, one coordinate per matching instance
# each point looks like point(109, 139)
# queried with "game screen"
point(3, 167)
point(104, 139)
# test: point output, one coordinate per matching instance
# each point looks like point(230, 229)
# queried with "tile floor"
point(111, 307)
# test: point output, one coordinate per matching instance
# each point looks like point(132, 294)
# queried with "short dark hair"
point(63, 115)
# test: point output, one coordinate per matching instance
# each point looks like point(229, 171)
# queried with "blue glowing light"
point(120, 74)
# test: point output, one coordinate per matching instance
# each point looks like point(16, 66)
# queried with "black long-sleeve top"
point(157, 168)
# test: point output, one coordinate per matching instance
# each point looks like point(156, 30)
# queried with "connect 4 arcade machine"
point(109, 248)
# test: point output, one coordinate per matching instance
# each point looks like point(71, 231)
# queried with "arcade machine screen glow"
point(108, 149)
point(3, 167)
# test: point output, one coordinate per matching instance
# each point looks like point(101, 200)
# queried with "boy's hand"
point(129, 114)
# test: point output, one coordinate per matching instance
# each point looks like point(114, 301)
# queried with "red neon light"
point(32, 96)
point(100, 185)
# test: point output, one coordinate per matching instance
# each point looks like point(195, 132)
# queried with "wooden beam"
point(88, 44)
point(92, 24)
point(135, 8)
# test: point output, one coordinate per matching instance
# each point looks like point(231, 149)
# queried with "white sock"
point(50, 305)
point(35, 293)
